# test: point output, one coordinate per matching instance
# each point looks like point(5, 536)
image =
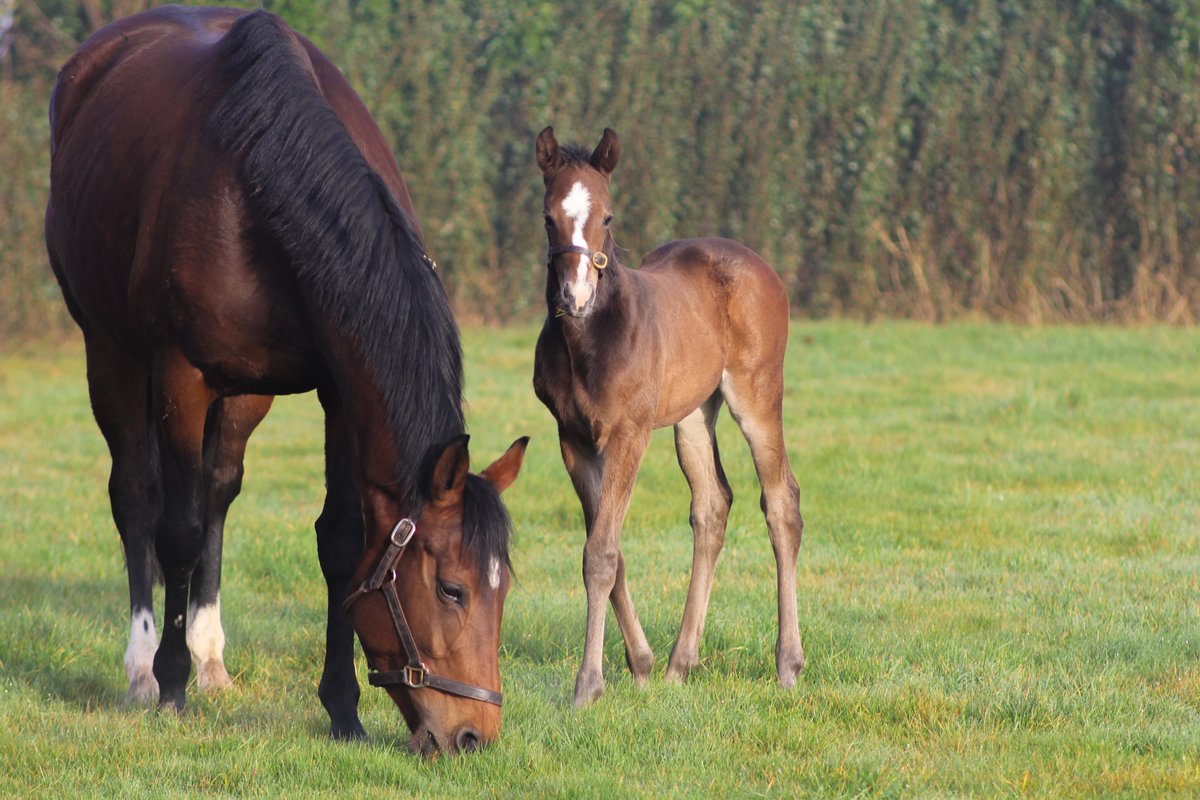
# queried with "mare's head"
point(450, 579)
point(577, 210)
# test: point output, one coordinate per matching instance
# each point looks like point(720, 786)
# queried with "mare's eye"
point(607, 220)
point(451, 593)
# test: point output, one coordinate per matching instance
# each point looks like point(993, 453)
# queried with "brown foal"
point(622, 352)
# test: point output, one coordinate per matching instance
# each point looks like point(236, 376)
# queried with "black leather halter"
point(414, 675)
point(599, 259)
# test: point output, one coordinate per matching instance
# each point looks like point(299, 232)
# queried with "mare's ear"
point(549, 157)
point(450, 473)
point(604, 157)
point(504, 470)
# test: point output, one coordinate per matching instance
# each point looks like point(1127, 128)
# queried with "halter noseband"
point(599, 259)
point(414, 675)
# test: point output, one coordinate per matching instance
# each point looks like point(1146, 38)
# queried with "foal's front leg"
point(586, 469)
point(602, 559)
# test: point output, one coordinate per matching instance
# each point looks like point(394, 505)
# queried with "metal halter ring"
point(599, 259)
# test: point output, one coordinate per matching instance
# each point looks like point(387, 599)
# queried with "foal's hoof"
point(211, 676)
point(588, 688)
point(143, 690)
point(788, 665)
point(640, 665)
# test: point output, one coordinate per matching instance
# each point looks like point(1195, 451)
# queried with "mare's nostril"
point(468, 739)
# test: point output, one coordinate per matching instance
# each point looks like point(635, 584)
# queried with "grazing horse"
point(226, 223)
point(622, 352)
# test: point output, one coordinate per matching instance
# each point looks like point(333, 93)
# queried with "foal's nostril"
point(468, 739)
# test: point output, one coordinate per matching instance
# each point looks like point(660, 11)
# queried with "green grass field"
point(999, 591)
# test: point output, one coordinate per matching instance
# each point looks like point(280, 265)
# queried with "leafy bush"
point(927, 158)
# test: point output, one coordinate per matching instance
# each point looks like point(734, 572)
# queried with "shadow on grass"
point(57, 638)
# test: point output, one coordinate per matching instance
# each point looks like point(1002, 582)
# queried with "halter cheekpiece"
point(414, 674)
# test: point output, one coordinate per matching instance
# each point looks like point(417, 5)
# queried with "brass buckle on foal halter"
point(414, 674)
point(599, 259)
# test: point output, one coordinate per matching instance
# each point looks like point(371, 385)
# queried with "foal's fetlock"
point(588, 688)
point(789, 661)
point(640, 665)
point(680, 666)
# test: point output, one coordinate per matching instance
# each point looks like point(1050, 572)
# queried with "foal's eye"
point(607, 220)
point(549, 222)
point(451, 593)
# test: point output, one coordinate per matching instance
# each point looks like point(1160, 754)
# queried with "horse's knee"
point(599, 562)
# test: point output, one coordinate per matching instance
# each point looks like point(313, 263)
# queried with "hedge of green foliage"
point(929, 158)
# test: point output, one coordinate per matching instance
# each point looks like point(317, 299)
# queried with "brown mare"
point(226, 223)
point(622, 352)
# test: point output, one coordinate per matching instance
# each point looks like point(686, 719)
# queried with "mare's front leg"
point(586, 469)
point(182, 401)
point(601, 554)
point(339, 548)
point(224, 449)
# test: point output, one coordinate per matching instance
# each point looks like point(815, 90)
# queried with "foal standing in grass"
point(622, 352)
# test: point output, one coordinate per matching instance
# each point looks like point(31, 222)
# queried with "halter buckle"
point(414, 677)
point(412, 528)
point(600, 260)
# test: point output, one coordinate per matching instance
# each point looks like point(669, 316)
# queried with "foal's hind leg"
point(696, 446)
point(234, 419)
point(119, 392)
point(755, 398)
point(181, 406)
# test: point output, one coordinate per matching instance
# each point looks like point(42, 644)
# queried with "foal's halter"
point(414, 675)
point(599, 260)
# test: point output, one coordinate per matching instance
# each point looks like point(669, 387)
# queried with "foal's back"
point(719, 309)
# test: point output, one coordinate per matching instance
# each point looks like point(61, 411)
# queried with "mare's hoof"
point(143, 690)
point(348, 733)
point(212, 677)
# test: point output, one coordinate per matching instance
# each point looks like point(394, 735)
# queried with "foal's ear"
point(549, 157)
point(604, 157)
point(504, 470)
point(450, 473)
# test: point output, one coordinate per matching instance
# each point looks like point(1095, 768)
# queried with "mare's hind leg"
point(696, 446)
point(119, 392)
point(181, 404)
point(755, 398)
point(586, 468)
point(339, 548)
point(235, 418)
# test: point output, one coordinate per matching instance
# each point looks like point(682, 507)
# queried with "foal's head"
point(577, 210)
point(451, 580)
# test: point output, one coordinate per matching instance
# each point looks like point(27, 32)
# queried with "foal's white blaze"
point(205, 637)
point(578, 205)
point(494, 573)
point(143, 642)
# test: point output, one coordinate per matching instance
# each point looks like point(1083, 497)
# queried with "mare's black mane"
point(351, 247)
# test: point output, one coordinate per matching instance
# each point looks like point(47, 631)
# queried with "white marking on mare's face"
point(205, 637)
point(143, 642)
point(494, 573)
point(578, 205)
